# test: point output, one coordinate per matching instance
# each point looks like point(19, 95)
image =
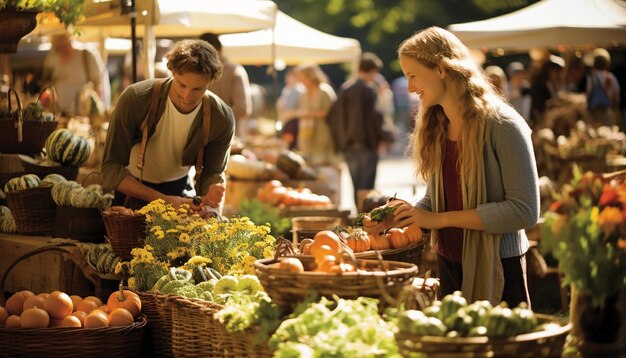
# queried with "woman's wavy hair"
point(196, 56)
point(434, 47)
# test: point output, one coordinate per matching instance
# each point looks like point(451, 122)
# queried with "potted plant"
point(19, 17)
point(585, 230)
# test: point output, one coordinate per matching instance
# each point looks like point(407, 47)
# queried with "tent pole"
point(133, 37)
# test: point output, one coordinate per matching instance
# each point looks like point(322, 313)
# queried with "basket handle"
point(88, 175)
point(55, 105)
point(75, 255)
point(18, 123)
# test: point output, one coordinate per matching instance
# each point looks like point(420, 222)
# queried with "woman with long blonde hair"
point(476, 154)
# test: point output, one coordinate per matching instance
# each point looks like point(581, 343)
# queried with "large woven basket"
point(379, 279)
point(196, 333)
point(411, 254)
point(536, 344)
point(23, 135)
point(33, 210)
point(124, 233)
point(158, 308)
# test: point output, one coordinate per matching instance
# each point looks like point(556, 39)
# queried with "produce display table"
point(44, 272)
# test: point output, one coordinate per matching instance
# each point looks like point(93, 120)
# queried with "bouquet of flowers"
point(176, 238)
point(585, 230)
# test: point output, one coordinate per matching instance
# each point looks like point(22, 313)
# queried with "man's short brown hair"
point(195, 56)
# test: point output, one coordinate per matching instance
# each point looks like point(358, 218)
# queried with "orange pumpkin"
point(75, 300)
point(320, 251)
point(81, 315)
point(291, 264)
point(4, 314)
point(125, 299)
point(358, 240)
point(34, 318)
point(328, 237)
point(58, 305)
point(104, 308)
point(13, 321)
point(71, 321)
point(86, 306)
point(120, 317)
point(326, 263)
point(305, 246)
point(397, 238)
point(413, 234)
point(33, 301)
point(378, 242)
point(15, 304)
point(95, 299)
point(96, 319)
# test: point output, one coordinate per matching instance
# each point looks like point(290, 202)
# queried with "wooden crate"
point(45, 272)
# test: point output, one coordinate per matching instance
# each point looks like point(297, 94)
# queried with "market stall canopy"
point(550, 23)
point(293, 42)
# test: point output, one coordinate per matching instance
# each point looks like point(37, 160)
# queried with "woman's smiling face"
point(424, 81)
point(187, 90)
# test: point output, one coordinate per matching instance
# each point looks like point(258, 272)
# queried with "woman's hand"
point(373, 227)
point(406, 215)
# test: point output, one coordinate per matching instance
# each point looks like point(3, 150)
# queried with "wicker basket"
point(33, 210)
point(536, 344)
point(305, 227)
point(158, 308)
point(196, 333)
point(24, 136)
point(287, 288)
point(82, 224)
point(124, 233)
point(411, 254)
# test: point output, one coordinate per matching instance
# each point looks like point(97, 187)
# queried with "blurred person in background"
point(71, 71)
point(233, 87)
point(519, 89)
point(545, 87)
point(497, 78)
point(287, 108)
point(315, 142)
point(356, 121)
point(603, 90)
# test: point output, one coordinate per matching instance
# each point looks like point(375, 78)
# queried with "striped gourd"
point(65, 147)
point(52, 179)
point(12, 185)
point(7, 222)
point(28, 181)
point(2, 196)
point(107, 201)
point(4, 210)
point(83, 198)
point(94, 187)
point(61, 190)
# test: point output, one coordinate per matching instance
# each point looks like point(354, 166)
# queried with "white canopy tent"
point(550, 23)
point(289, 43)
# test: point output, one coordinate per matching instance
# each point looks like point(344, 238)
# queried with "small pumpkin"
point(328, 237)
point(326, 263)
point(358, 240)
point(96, 319)
point(13, 321)
point(120, 317)
point(75, 301)
point(58, 305)
point(4, 314)
point(413, 234)
point(305, 246)
point(125, 299)
point(291, 264)
point(95, 299)
point(71, 321)
point(86, 306)
point(33, 301)
point(397, 238)
point(34, 318)
point(81, 315)
point(378, 242)
point(15, 304)
point(319, 252)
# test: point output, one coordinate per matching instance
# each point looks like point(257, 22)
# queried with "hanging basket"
point(15, 25)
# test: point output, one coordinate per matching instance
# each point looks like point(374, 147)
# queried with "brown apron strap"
point(148, 122)
point(206, 128)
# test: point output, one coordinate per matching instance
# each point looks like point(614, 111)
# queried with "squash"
point(357, 240)
point(96, 319)
point(125, 299)
point(15, 304)
point(4, 314)
point(71, 321)
point(241, 167)
point(120, 317)
point(33, 301)
point(291, 264)
point(305, 246)
point(53, 179)
point(326, 263)
point(58, 305)
point(95, 299)
point(320, 251)
point(86, 306)
point(63, 146)
point(81, 315)
point(397, 238)
point(413, 234)
point(290, 163)
point(327, 237)
point(75, 301)
point(34, 318)
point(378, 242)
point(13, 321)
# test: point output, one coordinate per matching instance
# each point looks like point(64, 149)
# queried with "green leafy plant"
point(585, 230)
point(262, 213)
point(68, 11)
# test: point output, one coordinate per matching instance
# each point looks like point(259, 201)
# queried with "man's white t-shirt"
point(163, 161)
